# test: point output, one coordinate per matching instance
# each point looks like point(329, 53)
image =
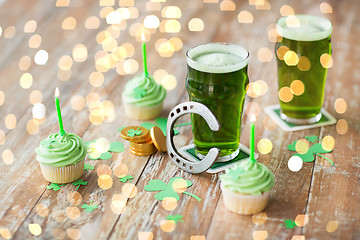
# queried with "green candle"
point(144, 53)
point(252, 138)
point(57, 104)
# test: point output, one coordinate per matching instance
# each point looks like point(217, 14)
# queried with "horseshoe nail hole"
point(191, 167)
point(171, 155)
point(184, 165)
point(177, 160)
point(191, 106)
point(185, 108)
point(172, 114)
point(178, 110)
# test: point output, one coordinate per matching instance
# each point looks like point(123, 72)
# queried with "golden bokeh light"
point(35, 229)
point(93, 153)
point(304, 64)
point(292, 21)
point(10, 121)
point(126, 3)
point(106, 3)
point(65, 63)
point(130, 49)
point(273, 36)
point(62, 3)
point(151, 21)
point(9, 32)
point(73, 233)
point(145, 236)
point(281, 51)
point(328, 143)
point(93, 100)
point(302, 146)
point(340, 105)
point(159, 74)
point(24, 63)
point(32, 127)
point(264, 54)
point(170, 26)
point(129, 190)
point(167, 225)
point(77, 102)
point(103, 169)
point(114, 17)
point(58, 215)
point(176, 43)
point(73, 212)
point(326, 60)
point(92, 22)
point(7, 157)
point(298, 237)
point(285, 94)
point(96, 79)
point(269, 124)
point(169, 203)
point(102, 145)
point(301, 220)
point(169, 82)
point(68, 23)
point(42, 210)
point(30, 26)
point(250, 90)
point(39, 111)
point(26, 80)
point(295, 163)
point(2, 98)
point(105, 181)
point(120, 170)
point(58, 233)
point(262, 5)
point(259, 218)
point(119, 53)
point(105, 11)
point(166, 49)
point(153, 6)
point(74, 198)
point(291, 58)
point(252, 108)
point(35, 41)
point(171, 12)
point(101, 36)
point(332, 226)
point(342, 127)
point(264, 146)
point(196, 25)
point(5, 233)
point(197, 237)
point(297, 87)
point(63, 75)
point(245, 17)
point(41, 57)
point(227, 5)
point(286, 10)
point(118, 204)
point(325, 7)
point(260, 235)
point(80, 53)
point(130, 66)
point(2, 137)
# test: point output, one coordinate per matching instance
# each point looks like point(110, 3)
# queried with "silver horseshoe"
point(185, 164)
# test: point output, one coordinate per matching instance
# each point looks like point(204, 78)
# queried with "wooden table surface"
point(328, 195)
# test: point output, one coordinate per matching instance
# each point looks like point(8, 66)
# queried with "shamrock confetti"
point(103, 156)
point(89, 208)
point(167, 190)
point(312, 138)
point(133, 132)
point(126, 178)
point(315, 149)
point(116, 147)
point(88, 167)
point(55, 186)
point(80, 182)
point(161, 123)
point(139, 92)
point(289, 224)
point(176, 218)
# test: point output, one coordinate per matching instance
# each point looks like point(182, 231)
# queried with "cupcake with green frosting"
point(62, 158)
point(246, 187)
point(143, 98)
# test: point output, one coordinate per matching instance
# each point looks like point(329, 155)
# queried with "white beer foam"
point(304, 27)
point(217, 57)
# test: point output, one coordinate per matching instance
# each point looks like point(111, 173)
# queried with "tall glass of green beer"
point(303, 57)
point(217, 77)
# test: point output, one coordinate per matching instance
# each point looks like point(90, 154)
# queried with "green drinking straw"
point(144, 54)
point(57, 104)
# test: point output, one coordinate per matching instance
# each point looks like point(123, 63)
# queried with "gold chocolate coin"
point(135, 134)
point(158, 138)
point(142, 153)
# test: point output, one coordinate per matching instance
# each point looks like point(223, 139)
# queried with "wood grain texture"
point(322, 192)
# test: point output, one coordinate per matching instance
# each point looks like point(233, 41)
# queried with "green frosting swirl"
point(248, 177)
point(60, 151)
point(143, 91)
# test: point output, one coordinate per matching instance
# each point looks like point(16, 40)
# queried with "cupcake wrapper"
point(143, 113)
point(67, 174)
point(244, 204)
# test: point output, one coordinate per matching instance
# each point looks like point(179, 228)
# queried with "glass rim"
point(321, 22)
point(244, 54)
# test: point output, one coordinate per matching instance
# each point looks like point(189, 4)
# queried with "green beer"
point(217, 77)
point(303, 56)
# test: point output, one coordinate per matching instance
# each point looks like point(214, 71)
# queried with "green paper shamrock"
point(126, 178)
point(116, 147)
point(90, 142)
point(80, 182)
point(47, 142)
point(314, 149)
point(88, 167)
point(55, 186)
point(139, 92)
point(176, 218)
point(161, 123)
point(89, 208)
point(312, 138)
point(289, 224)
point(133, 132)
point(167, 190)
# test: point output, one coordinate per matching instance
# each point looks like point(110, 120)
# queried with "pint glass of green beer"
point(217, 77)
point(303, 56)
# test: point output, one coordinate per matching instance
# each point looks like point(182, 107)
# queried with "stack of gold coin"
point(143, 142)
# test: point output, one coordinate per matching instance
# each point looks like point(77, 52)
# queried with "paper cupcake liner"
point(244, 204)
point(143, 113)
point(67, 174)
